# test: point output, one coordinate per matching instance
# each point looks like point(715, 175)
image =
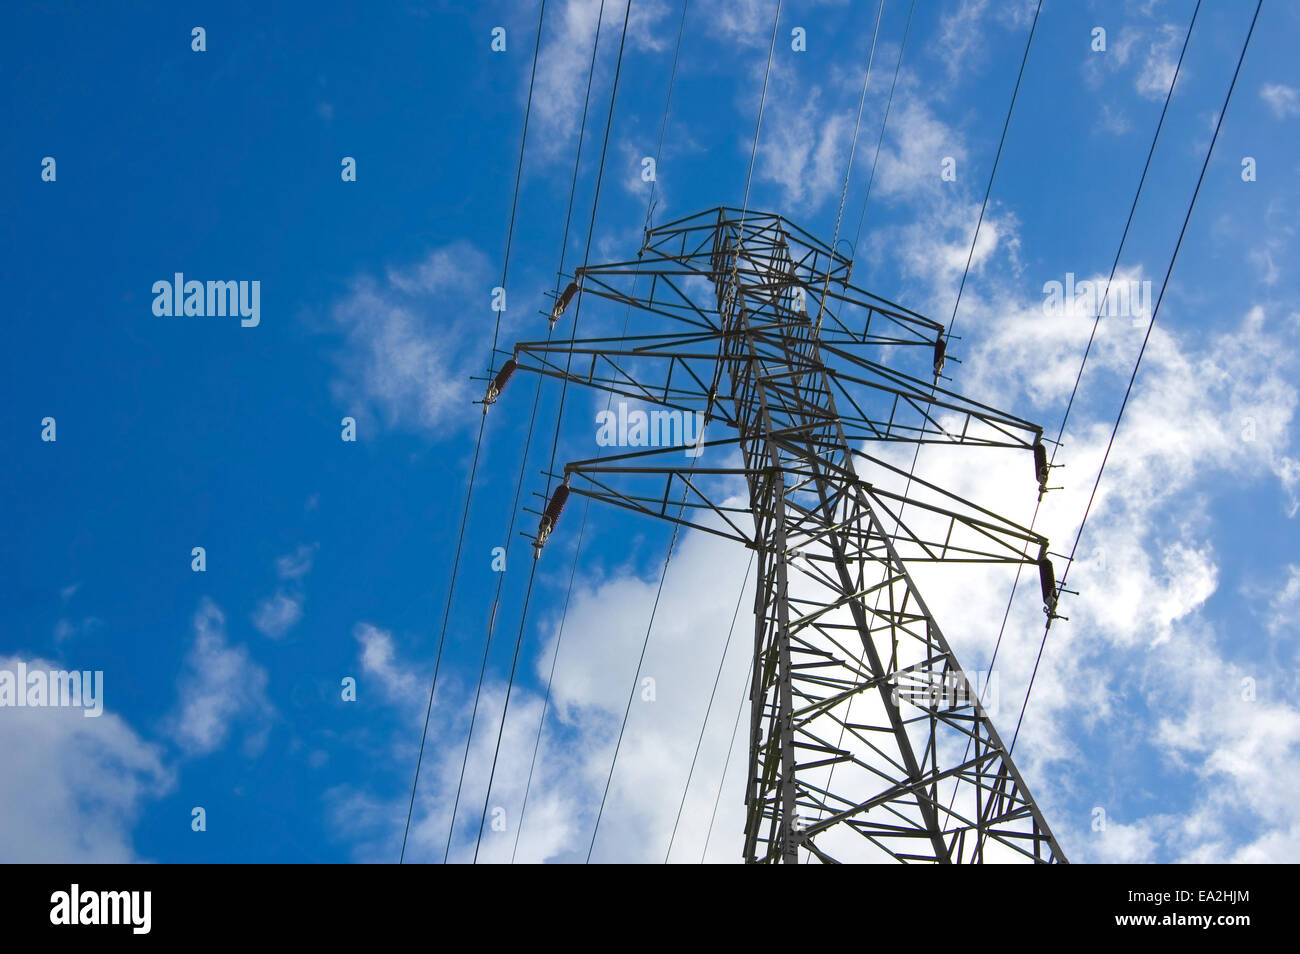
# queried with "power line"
point(1218, 124)
point(848, 168)
point(974, 239)
point(496, 602)
point(564, 613)
point(663, 123)
point(722, 781)
point(947, 335)
point(478, 444)
point(564, 244)
point(1033, 522)
point(632, 694)
point(582, 527)
point(744, 583)
point(762, 100)
point(883, 123)
point(550, 680)
point(591, 229)
point(673, 541)
point(1102, 305)
point(600, 174)
point(853, 146)
point(505, 708)
point(993, 172)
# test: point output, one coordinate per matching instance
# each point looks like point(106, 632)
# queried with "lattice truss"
point(867, 739)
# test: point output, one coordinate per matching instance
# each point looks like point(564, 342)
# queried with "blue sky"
point(328, 559)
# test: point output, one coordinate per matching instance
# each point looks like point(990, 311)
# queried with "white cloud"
point(406, 355)
point(296, 565)
point(747, 22)
point(220, 685)
point(565, 59)
point(1112, 121)
point(67, 628)
point(1243, 749)
point(73, 788)
point(1152, 50)
point(1284, 603)
point(277, 614)
point(1120, 844)
point(1120, 44)
point(1283, 100)
point(1138, 633)
point(377, 659)
point(804, 150)
point(1157, 68)
point(606, 625)
point(960, 44)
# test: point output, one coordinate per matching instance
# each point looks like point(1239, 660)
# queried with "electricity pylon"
point(867, 740)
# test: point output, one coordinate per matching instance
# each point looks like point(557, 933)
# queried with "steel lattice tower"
point(866, 736)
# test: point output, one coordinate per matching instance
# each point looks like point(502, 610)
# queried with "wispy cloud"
point(1284, 603)
point(961, 44)
point(296, 565)
point(1159, 63)
point(565, 59)
point(1112, 121)
point(219, 686)
point(805, 150)
point(397, 683)
point(67, 628)
point(1283, 100)
point(408, 351)
point(278, 613)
